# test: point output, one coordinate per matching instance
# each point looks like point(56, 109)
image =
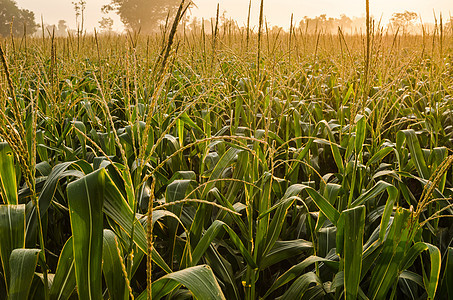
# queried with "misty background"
point(326, 15)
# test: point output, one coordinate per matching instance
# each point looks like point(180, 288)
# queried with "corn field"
point(227, 164)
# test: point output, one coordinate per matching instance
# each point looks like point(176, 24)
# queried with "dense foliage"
point(308, 173)
point(142, 15)
point(14, 20)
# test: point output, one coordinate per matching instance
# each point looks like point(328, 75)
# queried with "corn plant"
point(260, 165)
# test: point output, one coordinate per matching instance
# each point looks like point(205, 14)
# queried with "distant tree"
point(328, 25)
point(275, 30)
point(449, 26)
point(145, 15)
point(62, 28)
point(106, 24)
point(345, 22)
point(194, 24)
point(20, 18)
point(403, 21)
point(79, 9)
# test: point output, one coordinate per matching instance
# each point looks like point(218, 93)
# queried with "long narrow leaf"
point(12, 234)
point(300, 286)
point(23, 264)
point(112, 269)
point(294, 272)
point(86, 197)
point(200, 281)
point(353, 246)
point(434, 253)
point(64, 281)
point(387, 267)
point(8, 183)
point(416, 153)
point(116, 208)
point(211, 233)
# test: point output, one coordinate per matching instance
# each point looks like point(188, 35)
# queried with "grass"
point(232, 164)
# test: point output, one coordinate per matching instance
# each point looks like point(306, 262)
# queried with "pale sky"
point(277, 12)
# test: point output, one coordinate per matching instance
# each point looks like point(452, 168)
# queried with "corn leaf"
point(416, 153)
point(448, 273)
point(296, 271)
point(395, 246)
point(119, 211)
point(22, 264)
point(353, 245)
point(360, 134)
point(7, 175)
point(85, 198)
point(200, 281)
point(111, 267)
point(211, 233)
point(432, 281)
point(64, 281)
point(12, 234)
point(300, 286)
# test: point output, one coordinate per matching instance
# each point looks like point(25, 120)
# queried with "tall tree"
point(106, 24)
point(62, 28)
point(403, 21)
point(14, 20)
point(145, 15)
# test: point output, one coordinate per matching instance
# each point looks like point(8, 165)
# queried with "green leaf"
point(82, 139)
point(394, 250)
point(326, 208)
point(22, 264)
point(223, 163)
point(331, 192)
point(302, 153)
point(200, 281)
point(334, 147)
point(416, 153)
point(372, 193)
point(348, 94)
point(185, 117)
point(274, 229)
point(85, 198)
point(295, 271)
point(360, 133)
point(339, 240)
point(378, 156)
point(180, 129)
point(239, 222)
point(12, 234)
point(50, 185)
point(300, 286)
point(40, 146)
point(353, 245)
point(64, 281)
point(7, 175)
point(211, 233)
point(283, 250)
point(434, 253)
point(112, 267)
point(408, 275)
point(326, 240)
point(177, 190)
point(119, 211)
point(48, 192)
point(448, 273)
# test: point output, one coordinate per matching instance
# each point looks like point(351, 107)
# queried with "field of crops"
point(232, 165)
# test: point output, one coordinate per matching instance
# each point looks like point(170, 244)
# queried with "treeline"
point(405, 23)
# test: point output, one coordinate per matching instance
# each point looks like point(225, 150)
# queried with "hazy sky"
point(277, 12)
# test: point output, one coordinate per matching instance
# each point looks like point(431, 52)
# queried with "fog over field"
point(277, 12)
